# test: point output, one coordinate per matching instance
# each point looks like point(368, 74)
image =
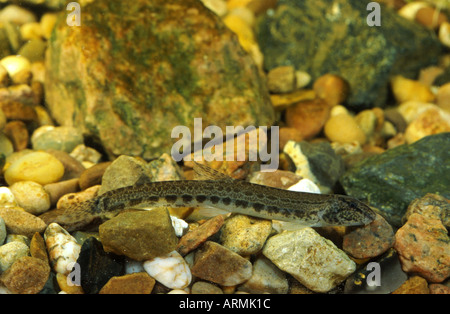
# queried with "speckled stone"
point(311, 259)
point(217, 264)
point(137, 283)
point(423, 246)
point(18, 221)
point(369, 241)
point(245, 235)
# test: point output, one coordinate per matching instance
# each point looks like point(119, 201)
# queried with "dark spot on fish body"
point(153, 199)
point(226, 201)
point(258, 206)
point(241, 203)
point(214, 199)
point(271, 209)
point(187, 198)
point(201, 198)
point(171, 198)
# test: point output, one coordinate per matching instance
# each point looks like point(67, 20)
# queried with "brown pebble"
point(64, 285)
point(193, 239)
point(414, 285)
point(27, 275)
point(443, 97)
point(203, 287)
point(38, 248)
point(432, 206)
point(423, 246)
point(331, 88)
point(72, 167)
point(308, 117)
point(429, 17)
point(18, 111)
point(17, 132)
point(369, 241)
point(93, 175)
point(18, 221)
point(436, 288)
point(136, 283)
point(59, 189)
point(289, 134)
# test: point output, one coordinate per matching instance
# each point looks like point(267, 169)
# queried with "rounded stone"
point(39, 167)
point(343, 128)
point(31, 196)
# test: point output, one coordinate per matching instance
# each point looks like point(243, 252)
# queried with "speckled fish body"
point(235, 196)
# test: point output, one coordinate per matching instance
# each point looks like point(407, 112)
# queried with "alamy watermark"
point(74, 17)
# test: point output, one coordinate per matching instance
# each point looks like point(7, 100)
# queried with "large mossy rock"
point(333, 36)
point(392, 180)
point(134, 70)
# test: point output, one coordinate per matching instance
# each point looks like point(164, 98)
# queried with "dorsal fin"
point(203, 172)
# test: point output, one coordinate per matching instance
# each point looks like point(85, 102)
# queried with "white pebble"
point(10, 252)
point(179, 225)
point(7, 198)
point(177, 291)
point(62, 248)
point(305, 185)
point(171, 270)
point(15, 64)
point(132, 266)
point(31, 196)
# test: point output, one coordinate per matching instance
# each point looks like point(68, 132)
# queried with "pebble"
point(411, 110)
point(48, 21)
point(6, 147)
point(15, 110)
point(171, 270)
point(317, 162)
point(423, 246)
point(305, 185)
point(140, 235)
point(38, 248)
point(15, 66)
point(331, 88)
point(18, 238)
point(39, 167)
point(2, 120)
point(179, 226)
point(443, 97)
point(18, 221)
point(438, 289)
point(308, 117)
point(444, 34)
point(28, 275)
point(125, 171)
point(57, 190)
point(10, 252)
point(414, 285)
point(431, 206)
point(343, 128)
point(31, 31)
point(31, 196)
point(213, 262)
point(266, 278)
point(61, 138)
point(69, 199)
point(4, 77)
point(203, 287)
point(245, 235)
point(83, 153)
point(281, 80)
point(193, 239)
point(93, 175)
point(431, 121)
point(137, 283)
point(2, 231)
point(367, 122)
point(7, 198)
point(17, 132)
point(280, 179)
point(369, 241)
point(311, 259)
point(405, 90)
point(63, 283)
point(97, 266)
point(17, 15)
point(430, 17)
point(72, 167)
point(63, 249)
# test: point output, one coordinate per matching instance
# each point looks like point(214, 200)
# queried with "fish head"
point(347, 211)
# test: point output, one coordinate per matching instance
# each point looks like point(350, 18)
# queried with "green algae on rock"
point(128, 79)
point(321, 37)
point(392, 180)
